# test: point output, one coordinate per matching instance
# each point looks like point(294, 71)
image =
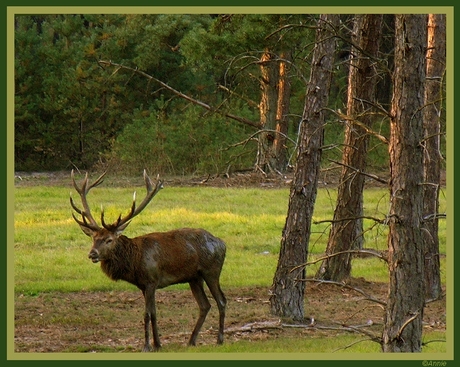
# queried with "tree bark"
point(288, 289)
point(282, 112)
point(436, 63)
point(347, 234)
point(268, 108)
point(402, 330)
point(274, 110)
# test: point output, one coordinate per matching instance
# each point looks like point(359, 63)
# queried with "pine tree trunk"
point(268, 108)
point(347, 227)
point(288, 289)
point(280, 160)
point(436, 63)
point(406, 297)
point(274, 110)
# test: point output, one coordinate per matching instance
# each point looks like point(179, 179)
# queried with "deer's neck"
point(125, 261)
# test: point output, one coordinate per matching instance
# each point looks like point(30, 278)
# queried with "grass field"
point(50, 251)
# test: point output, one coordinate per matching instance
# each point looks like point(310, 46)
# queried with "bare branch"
point(355, 121)
point(378, 106)
point(355, 329)
point(247, 100)
point(354, 343)
point(290, 26)
point(262, 325)
point(407, 322)
point(180, 94)
point(378, 220)
point(370, 175)
point(368, 252)
point(252, 136)
point(429, 217)
point(435, 341)
point(367, 296)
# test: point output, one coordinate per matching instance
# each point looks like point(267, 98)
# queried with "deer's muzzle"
point(94, 255)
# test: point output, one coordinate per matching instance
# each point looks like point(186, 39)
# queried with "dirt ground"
point(329, 178)
point(113, 321)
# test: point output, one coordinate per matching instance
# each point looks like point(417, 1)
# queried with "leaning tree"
point(347, 230)
point(288, 289)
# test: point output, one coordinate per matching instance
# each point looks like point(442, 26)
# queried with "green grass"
point(309, 344)
point(50, 251)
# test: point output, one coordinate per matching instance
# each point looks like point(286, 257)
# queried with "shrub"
point(182, 143)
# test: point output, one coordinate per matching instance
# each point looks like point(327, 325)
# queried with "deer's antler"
point(87, 218)
point(152, 190)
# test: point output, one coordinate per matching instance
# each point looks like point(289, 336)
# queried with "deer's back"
point(181, 255)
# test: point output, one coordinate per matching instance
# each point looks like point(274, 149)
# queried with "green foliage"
point(185, 143)
point(71, 111)
point(377, 155)
point(59, 111)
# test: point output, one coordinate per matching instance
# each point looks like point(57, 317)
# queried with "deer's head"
point(105, 237)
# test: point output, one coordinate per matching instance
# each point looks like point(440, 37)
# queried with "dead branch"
point(429, 217)
point(205, 180)
point(352, 344)
point(377, 220)
point(378, 106)
point(326, 257)
point(366, 128)
point(365, 332)
point(271, 325)
point(367, 297)
point(180, 94)
point(290, 26)
point(435, 341)
point(252, 136)
point(355, 329)
point(370, 175)
point(247, 100)
point(407, 322)
point(255, 326)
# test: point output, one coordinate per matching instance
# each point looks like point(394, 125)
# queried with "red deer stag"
point(155, 260)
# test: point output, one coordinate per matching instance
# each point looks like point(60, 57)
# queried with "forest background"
point(72, 111)
point(252, 106)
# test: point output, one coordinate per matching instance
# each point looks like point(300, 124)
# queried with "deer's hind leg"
point(203, 303)
point(218, 295)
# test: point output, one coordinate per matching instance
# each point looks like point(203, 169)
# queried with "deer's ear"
point(88, 231)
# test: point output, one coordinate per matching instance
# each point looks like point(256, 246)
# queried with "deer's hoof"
point(147, 348)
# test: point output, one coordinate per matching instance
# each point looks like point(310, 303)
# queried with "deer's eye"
point(109, 241)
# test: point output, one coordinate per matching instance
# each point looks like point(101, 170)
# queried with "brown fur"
point(161, 259)
point(156, 260)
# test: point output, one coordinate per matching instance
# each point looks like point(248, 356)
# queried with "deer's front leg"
point(147, 346)
point(150, 316)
